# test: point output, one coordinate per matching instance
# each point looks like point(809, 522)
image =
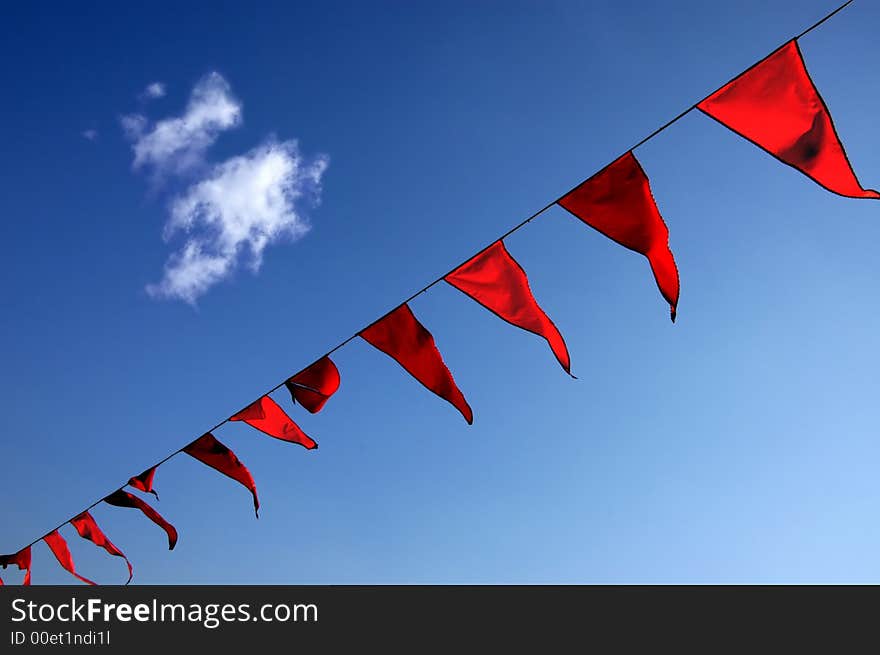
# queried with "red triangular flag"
point(617, 202)
point(266, 416)
point(776, 106)
point(22, 559)
point(122, 498)
point(313, 387)
point(209, 451)
point(144, 481)
point(495, 280)
point(400, 336)
point(58, 546)
point(88, 529)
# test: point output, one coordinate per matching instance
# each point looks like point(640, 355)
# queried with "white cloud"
point(133, 125)
point(232, 211)
point(178, 144)
point(90, 135)
point(154, 90)
point(231, 215)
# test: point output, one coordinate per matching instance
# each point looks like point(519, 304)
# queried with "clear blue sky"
point(738, 445)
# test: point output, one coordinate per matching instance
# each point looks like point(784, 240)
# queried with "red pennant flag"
point(88, 529)
point(59, 548)
point(22, 559)
point(209, 451)
point(266, 416)
point(776, 106)
point(144, 481)
point(314, 386)
point(400, 336)
point(617, 202)
point(496, 280)
point(122, 498)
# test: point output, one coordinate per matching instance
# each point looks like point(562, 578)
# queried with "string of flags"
point(773, 104)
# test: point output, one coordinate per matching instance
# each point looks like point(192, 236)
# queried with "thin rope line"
point(515, 228)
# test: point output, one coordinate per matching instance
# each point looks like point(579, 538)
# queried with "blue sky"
point(738, 445)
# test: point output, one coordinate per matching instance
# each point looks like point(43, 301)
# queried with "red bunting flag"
point(88, 529)
point(266, 416)
point(496, 280)
point(776, 106)
point(617, 202)
point(314, 386)
point(144, 481)
point(122, 498)
point(22, 559)
point(208, 450)
point(58, 546)
point(400, 336)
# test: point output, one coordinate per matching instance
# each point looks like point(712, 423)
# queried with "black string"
point(516, 227)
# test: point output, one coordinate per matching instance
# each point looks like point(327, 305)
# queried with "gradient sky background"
point(738, 445)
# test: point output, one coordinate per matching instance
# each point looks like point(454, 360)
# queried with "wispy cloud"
point(231, 215)
point(90, 135)
point(229, 212)
point(177, 144)
point(154, 90)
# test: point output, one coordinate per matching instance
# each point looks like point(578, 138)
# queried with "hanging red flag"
point(122, 498)
point(88, 529)
point(617, 202)
point(314, 386)
point(144, 481)
point(22, 559)
point(400, 336)
point(776, 106)
point(208, 450)
point(496, 280)
point(266, 416)
point(58, 546)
